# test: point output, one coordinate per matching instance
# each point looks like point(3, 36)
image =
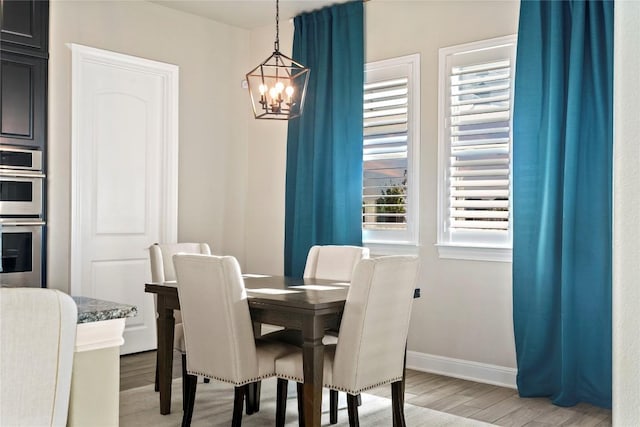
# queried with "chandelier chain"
point(277, 42)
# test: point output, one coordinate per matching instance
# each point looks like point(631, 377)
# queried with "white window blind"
point(479, 129)
point(475, 160)
point(390, 112)
point(384, 191)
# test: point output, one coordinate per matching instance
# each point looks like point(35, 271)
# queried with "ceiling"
point(247, 14)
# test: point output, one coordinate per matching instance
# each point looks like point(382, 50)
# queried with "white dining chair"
point(162, 270)
point(333, 262)
point(218, 332)
point(329, 262)
point(37, 343)
point(373, 333)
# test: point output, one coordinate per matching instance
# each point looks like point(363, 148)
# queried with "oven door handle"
point(16, 174)
point(10, 223)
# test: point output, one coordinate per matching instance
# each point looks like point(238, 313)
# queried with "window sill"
point(475, 253)
point(388, 248)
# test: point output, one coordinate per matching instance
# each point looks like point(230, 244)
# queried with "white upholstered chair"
point(162, 270)
point(373, 334)
point(330, 262)
point(333, 262)
point(37, 341)
point(218, 331)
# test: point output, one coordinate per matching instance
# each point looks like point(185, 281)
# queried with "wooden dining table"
point(308, 305)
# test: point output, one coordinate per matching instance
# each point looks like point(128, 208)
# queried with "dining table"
point(311, 306)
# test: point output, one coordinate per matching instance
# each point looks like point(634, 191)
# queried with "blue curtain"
point(324, 145)
point(562, 169)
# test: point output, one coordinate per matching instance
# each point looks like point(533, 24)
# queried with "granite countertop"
point(94, 310)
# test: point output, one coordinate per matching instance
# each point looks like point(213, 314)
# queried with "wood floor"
point(492, 404)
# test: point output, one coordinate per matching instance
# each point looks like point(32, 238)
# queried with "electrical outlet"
point(244, 84)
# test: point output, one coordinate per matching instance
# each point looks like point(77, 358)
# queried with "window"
point(475, 132)
point(390, 151)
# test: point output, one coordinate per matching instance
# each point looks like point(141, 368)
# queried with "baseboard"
point(464, 369)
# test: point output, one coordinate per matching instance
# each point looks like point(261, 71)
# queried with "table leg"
point(166, 323)
point(313, 365)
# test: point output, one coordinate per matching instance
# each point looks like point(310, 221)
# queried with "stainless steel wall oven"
point(22, 253)
point(21, 217)
point(21, 182)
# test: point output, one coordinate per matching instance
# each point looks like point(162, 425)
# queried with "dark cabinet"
point(23, 81)
point(24, 30)
point(24, 26)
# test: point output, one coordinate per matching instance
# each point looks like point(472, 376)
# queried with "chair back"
point(217, 325)
point(333, 262)
point(37, 341)
point(375, 323)
point(161, 255)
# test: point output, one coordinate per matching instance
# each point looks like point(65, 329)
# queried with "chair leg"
point(359, 397)
point(397, 402)
point(238, 401)
point(207, 380)
point(281, 402)
point(333, 407)
point(250, 399)
point(253, 398)
point(185, 381)
point(189, 383)
point(352, 409)
point(300, 392)
point(256, 403)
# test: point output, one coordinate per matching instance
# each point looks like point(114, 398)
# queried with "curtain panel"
point(562, 168)
point(324, 145)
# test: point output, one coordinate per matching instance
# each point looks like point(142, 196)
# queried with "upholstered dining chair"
point(37, 342)
point(373, 334)
point(333, 262)
point(162, 270)
point(330, 262)
point(218, 332)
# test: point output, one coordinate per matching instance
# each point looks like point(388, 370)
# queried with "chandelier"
point(278, 85)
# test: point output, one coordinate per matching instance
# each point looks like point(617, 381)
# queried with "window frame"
point(388, 241)
point(479, 245)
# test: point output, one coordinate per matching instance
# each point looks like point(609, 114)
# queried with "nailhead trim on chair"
point(331, 387)
point(225, 380)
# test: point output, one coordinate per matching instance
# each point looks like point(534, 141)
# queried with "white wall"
point(465, 309)
point(213, 125)
point(626, 237)
point(266, 169)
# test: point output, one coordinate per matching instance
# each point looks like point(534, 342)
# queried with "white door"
point(124, 179)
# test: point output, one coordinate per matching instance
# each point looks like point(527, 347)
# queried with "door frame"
point(169, 75)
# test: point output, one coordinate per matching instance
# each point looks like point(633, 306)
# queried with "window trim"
point(409, 237)
point(470, 248)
